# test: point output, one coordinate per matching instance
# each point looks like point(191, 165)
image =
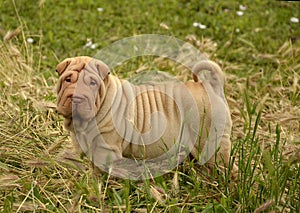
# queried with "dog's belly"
point(161, 118)
point(159, 141)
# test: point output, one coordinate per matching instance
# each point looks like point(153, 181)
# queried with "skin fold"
point(112, 120)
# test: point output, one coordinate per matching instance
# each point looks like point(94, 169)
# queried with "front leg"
point(103, 153)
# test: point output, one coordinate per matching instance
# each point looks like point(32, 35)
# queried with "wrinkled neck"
point(108, 91)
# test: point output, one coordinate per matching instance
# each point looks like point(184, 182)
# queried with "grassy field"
point(256, 43)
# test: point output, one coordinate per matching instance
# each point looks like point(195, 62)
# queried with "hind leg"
point(222, 157)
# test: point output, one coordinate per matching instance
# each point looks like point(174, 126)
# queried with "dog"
point(112, 120)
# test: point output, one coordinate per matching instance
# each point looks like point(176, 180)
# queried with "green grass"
point(262, 64)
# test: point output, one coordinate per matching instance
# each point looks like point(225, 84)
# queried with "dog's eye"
point(93, 83)
point(68, 79)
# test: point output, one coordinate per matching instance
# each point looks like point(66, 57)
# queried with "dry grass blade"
point(175, 182)
point(9, 181)
point(158, 194)
point(264, 207)
point(12, 34)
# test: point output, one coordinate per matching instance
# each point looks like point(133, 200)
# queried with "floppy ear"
point(103, 69)
point(62, 66)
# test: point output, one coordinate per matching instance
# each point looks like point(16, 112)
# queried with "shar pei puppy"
point(128, 129)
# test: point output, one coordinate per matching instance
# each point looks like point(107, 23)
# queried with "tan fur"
point(115, 119)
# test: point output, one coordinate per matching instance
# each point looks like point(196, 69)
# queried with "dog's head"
point(79, 88)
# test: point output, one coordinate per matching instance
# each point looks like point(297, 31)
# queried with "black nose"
point(77, 99)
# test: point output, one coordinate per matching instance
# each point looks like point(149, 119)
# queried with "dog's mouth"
point(77, 107)
point(81, 115)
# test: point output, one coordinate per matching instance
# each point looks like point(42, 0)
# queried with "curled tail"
point(209, 71)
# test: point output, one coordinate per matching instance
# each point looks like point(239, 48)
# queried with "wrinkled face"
point(79, 87)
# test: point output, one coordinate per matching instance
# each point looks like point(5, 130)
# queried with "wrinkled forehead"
point(77, 66)
point(82, 66)
point(82, 63)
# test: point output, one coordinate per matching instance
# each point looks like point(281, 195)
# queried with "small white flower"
point(30, 40)
point(89, 43)
point(240, 13)
point(294, 20)
point(202, 26)
point(237, 30)
point(195, 24)
point(100, 9)
point(242, 7)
